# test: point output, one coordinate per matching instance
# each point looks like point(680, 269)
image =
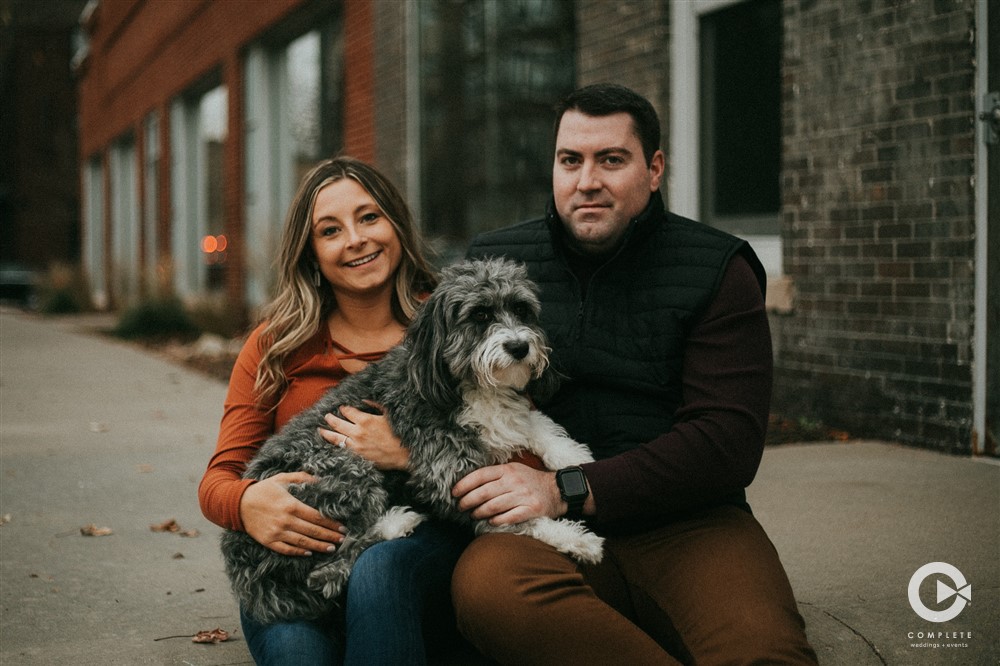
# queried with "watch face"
point(573, 483)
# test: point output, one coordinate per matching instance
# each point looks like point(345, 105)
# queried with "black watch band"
point(572, 483)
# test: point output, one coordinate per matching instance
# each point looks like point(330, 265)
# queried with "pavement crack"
point(857, 633)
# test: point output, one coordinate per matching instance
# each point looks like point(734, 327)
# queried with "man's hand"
point(509, 494)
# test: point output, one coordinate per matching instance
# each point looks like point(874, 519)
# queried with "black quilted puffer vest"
point(620, 348)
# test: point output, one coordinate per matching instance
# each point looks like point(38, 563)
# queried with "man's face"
point(600, 178)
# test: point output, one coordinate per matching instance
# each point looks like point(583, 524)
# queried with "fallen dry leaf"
point(216, 635)
point(5, 518)
point(97, 426)
point(94, 530)
point(144, 469)
point(169, 525)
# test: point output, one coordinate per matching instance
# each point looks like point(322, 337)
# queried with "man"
point(657, 324)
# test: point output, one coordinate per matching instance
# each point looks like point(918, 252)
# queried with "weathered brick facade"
point(627, 42)
point(359, 85)
point(878, 218)
point(878, 147)
point(143, 55)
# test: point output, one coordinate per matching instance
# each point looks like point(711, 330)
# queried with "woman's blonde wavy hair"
point(299, 307)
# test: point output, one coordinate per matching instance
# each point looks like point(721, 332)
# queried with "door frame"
point(987, 187)
point(683, 180)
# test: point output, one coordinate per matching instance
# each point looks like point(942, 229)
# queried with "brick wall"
point(878, 218)
point(626, 42)
point(144, 53)
point(359, 80)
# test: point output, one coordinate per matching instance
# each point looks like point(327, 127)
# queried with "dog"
point(455, 391)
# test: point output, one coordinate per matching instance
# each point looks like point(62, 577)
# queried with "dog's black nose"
point(516, 348)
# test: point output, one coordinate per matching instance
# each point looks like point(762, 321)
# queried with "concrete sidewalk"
point(93, 431)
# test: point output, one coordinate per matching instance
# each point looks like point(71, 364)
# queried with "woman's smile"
point(363, 260)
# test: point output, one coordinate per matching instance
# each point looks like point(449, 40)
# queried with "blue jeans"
point(398, 595)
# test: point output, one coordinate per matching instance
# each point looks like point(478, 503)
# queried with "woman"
point(351, 272)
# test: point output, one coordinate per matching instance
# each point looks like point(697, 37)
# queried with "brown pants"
point(710, 590)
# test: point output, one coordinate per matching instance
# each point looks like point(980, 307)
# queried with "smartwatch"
point(573, 489)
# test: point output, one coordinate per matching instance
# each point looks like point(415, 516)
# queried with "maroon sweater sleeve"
point(716, 443)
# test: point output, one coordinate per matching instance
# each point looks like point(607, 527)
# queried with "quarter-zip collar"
point(639, 227)
point(584, 267)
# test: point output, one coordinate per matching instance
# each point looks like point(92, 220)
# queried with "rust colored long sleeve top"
point(311, 370)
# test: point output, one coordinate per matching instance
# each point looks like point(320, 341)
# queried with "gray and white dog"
point(454, 391)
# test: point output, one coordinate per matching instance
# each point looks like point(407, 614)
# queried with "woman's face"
point(357, 248)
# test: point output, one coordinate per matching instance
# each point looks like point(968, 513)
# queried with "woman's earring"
point(316, 280)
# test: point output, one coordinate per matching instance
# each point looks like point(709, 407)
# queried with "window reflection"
point(294, 118)
point(151, 175)
point(303, 71)
point(491, 72)
point(741, 125)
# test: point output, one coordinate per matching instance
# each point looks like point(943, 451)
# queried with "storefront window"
point(490, 73)
point(124, 220)
point(213, 113)
point(93, 232)
point(294, 93)
point(151, 181)
point(199, 125)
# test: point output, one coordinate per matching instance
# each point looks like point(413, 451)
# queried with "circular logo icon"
point(959, 588)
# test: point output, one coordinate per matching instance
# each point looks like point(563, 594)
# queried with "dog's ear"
point(426, 367)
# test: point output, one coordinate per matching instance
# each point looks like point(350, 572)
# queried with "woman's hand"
point(279, 521)
point(368, 435)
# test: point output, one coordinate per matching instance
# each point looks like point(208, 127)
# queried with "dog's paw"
point(569, 537)
point(399, 521)
point(561, 452)
point(588, 549)
point(556, 460)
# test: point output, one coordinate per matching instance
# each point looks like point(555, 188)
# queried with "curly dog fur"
point(455, 392)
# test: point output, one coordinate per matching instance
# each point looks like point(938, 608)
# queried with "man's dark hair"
point(605, 99)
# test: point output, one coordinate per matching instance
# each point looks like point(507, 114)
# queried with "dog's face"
point(482, 323)
point(494, 338)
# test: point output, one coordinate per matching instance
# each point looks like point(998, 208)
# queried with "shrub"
point(158, 320)
point(217, 318)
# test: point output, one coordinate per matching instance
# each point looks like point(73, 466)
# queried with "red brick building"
point(164, 133)
point(841, 139)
